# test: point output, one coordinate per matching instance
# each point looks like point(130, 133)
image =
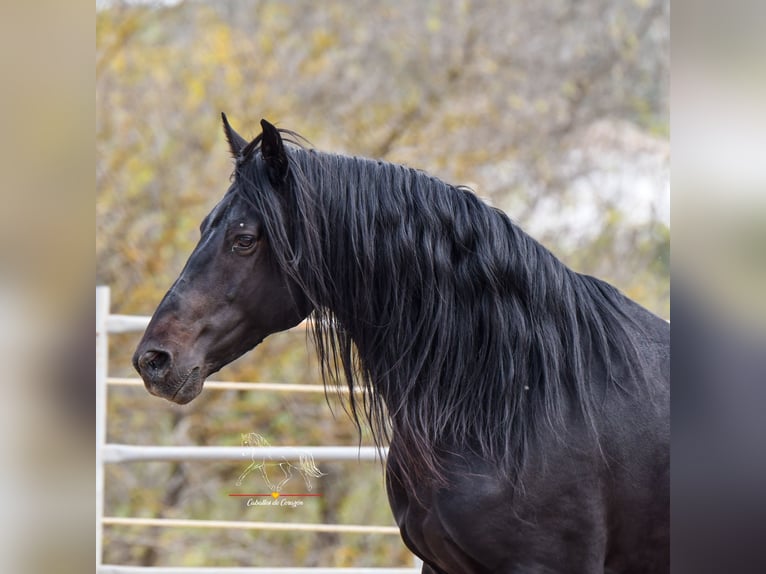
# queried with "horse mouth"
point(190, 387)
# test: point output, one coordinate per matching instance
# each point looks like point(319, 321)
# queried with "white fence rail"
point(122, 453)
point(133, 453)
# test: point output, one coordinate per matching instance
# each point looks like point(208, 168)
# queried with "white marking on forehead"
point(241, 224)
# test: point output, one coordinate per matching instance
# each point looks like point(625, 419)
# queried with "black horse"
point(526, 405)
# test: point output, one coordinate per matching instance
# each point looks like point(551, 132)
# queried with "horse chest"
point(479, 525)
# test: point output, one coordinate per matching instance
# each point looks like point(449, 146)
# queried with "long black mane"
point(464, 330)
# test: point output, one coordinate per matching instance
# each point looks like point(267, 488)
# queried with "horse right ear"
point(236, 142)
point(273, 152)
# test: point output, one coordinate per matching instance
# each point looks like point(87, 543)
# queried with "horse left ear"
point(273, 152)
point(236, 142)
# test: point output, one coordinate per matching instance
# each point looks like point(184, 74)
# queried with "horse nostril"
point(154, 363)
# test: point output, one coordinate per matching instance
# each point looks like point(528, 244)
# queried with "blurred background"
point(556, 112)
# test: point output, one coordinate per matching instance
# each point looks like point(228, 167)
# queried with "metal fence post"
point(102, 368)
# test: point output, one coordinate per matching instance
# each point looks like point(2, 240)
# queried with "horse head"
point(231, 294)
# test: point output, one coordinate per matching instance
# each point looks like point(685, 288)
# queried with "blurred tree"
point(554, 111)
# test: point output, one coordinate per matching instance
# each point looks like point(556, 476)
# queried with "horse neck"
point(453, 316)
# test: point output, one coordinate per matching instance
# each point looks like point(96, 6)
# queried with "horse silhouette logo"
point(305, 465)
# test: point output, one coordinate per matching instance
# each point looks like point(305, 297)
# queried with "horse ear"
point(273, 152)
point(236, 142)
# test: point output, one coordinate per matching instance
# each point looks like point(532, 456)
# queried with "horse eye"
point(243, 242)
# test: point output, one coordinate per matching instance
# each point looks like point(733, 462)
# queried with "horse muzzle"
point(163, 379)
